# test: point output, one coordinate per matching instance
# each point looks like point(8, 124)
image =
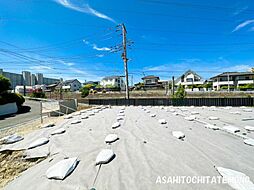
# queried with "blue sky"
point(74, 38)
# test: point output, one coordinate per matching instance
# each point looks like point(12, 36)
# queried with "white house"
point(115, 81)
point(188, 79)
point(232, 80)
point(71, 85)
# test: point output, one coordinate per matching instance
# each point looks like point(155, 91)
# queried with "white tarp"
point(104, 156)
point(190, 118)
point(58, 131)
point(62, 169)
point(111, 138)
point(249, 141)
point(236, 180)
point(231, 129)
point(178, 134)
point(249, 128)
point(213, 118)
point(116, 125)
point(162, 121)
point(152, 115)
point(11, 139)
point(38, 142)
point(76, 121)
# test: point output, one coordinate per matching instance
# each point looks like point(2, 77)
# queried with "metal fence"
point(174, 102)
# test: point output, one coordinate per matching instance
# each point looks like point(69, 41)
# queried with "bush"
point(38, 95)
point(12, 97)
point(84, 92)
point(180, 93)
point(104, 91)
point(5, 84)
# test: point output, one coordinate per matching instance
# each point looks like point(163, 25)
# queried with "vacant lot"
point(145, 150)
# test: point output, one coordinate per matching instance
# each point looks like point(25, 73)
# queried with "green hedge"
point(6, 98)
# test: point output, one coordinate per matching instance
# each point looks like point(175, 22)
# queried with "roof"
point(150, 77)
point(111, 77)
point(188, 72)
point(225, 74)
point(68, 82)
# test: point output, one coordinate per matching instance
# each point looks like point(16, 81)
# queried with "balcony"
point(245, 82)
point(219, 83)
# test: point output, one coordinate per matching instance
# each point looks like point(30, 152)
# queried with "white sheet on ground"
point(249, 128)
point(58, 131)
point(231, 129)
point(116, 125)
point(190, 118)
point(11, 139)
point(62, 168)
point(75, 122)
point(38, 142)
point(162, 121)
point(104, 156)
point(249, 141)
point(111, 138)
point(152, 115)
point(178, 134)
point(213, 118)
point(236, 180)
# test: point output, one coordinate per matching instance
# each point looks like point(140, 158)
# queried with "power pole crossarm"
point(125, 60)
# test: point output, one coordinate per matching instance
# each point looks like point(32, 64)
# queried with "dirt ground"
point(12, 165)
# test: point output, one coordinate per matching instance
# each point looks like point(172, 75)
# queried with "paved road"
point(34, 113)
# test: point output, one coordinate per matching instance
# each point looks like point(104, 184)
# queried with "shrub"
point(11, 97)
point(104, 91)
point(180, 93)
point(84, 92)
point(38, 95)
point(5, 84)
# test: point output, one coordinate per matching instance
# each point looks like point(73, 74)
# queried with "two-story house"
point(190, 79)
point(151, 82)
point(232, 80)
point(114, 81)
point(70, 85)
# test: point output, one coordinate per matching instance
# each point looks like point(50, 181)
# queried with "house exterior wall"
point(190, 79)
point(75, 86)
point(117, 82)
point(233, 81)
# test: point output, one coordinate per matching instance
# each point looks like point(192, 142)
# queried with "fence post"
point(41, 111)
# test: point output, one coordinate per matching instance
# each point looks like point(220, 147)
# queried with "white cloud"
point(40, 68)
point(94, 46)
point(100, 49)
point(239, 68)
point(243, 24)
point(84, 8)
point(66, 63)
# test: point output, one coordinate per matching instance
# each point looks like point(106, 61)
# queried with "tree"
point(5, 84)
point(180, 93)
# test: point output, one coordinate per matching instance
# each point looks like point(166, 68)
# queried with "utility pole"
point(125, 60)
point(228, 82)
point(173, 85)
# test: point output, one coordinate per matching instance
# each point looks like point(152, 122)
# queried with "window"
point(189, 80)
